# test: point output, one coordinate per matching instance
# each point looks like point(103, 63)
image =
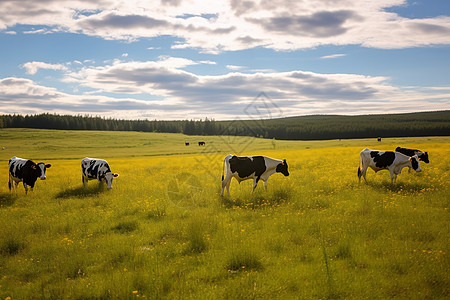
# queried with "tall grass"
point(163, 231)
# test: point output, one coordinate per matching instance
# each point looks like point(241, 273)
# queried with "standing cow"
point(27, 171)
point(423, 156)
point(251, 167)
point(386, 160)
point(94, 168)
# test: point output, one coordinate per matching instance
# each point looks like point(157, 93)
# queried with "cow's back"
point(91, 166)
point(16, 166)
point(408, 152)
point(377, 160)
point(246, 166)
point(87, 165)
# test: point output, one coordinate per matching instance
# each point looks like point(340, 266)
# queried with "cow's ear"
point(116, 175)
point(33, 167)
point(410, 159)
point(284, 162)
point(48, 165)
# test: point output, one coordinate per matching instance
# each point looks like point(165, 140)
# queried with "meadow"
point(164, 232)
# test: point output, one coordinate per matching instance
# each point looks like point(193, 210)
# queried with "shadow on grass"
point(7, 199)
point(257, 200)
point(81, 192)
point(396, 187)
point(126, 227)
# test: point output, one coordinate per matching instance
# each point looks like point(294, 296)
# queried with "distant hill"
point(362, 126)
point(316, 127)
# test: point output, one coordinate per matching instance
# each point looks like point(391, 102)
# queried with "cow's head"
point(283, 168)
point(39, 170)
point(109, 176)
point(415, 163)
point(423, 156)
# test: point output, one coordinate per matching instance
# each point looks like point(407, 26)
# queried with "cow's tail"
point(360, 167)
point(9, 177)
point(223, 168)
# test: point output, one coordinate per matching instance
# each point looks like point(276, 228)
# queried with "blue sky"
point(178, 59)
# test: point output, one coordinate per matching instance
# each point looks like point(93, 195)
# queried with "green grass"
point(163, 231)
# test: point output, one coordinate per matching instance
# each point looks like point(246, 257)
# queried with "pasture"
point(163, 231)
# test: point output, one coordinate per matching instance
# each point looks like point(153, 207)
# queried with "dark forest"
point(292, 128)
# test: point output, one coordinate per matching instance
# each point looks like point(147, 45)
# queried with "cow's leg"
point(265, 185)
point(26, 188)
point(12, 183)
point(84, 180)
point(226, 183)
point(228, 187)
point(255, 183)
point(393, 176)
point(15, 184)
point(362, 172)
point(223, 186)
point(362, 169)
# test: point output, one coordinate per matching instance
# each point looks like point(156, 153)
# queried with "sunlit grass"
point(163, 231)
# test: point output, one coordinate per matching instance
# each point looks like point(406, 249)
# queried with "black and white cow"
point(386, 160)
point(27, 171)
point(423, 156)
point(94, 168)
point(251, 167)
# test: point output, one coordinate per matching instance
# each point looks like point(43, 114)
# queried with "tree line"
point(292, 128)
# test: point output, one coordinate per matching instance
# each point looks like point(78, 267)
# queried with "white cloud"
point(333, 56)
point(295, 91)
point(217, 26)
point(234, 67)
point(23, 96)
point(213, 27)
point(34, 66)
point(177, 94)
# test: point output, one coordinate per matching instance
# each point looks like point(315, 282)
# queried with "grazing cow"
point(386, 160)
point(186, 143)
point(423, 156)
point(201, 143)
point(251, 167)
point(379, 139)
point(27, 171)
point(93, 168)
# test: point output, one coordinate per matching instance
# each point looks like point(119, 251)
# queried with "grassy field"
point(163, 231)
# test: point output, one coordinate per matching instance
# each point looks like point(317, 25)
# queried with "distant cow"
point(186, 143)
point(201, 143)
point(251, 167)
point(423, 156)
point(94, 168)
point(379, 139)
point(27, 171)
point(386, 160)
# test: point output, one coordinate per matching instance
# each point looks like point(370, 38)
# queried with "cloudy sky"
point(177, 59)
